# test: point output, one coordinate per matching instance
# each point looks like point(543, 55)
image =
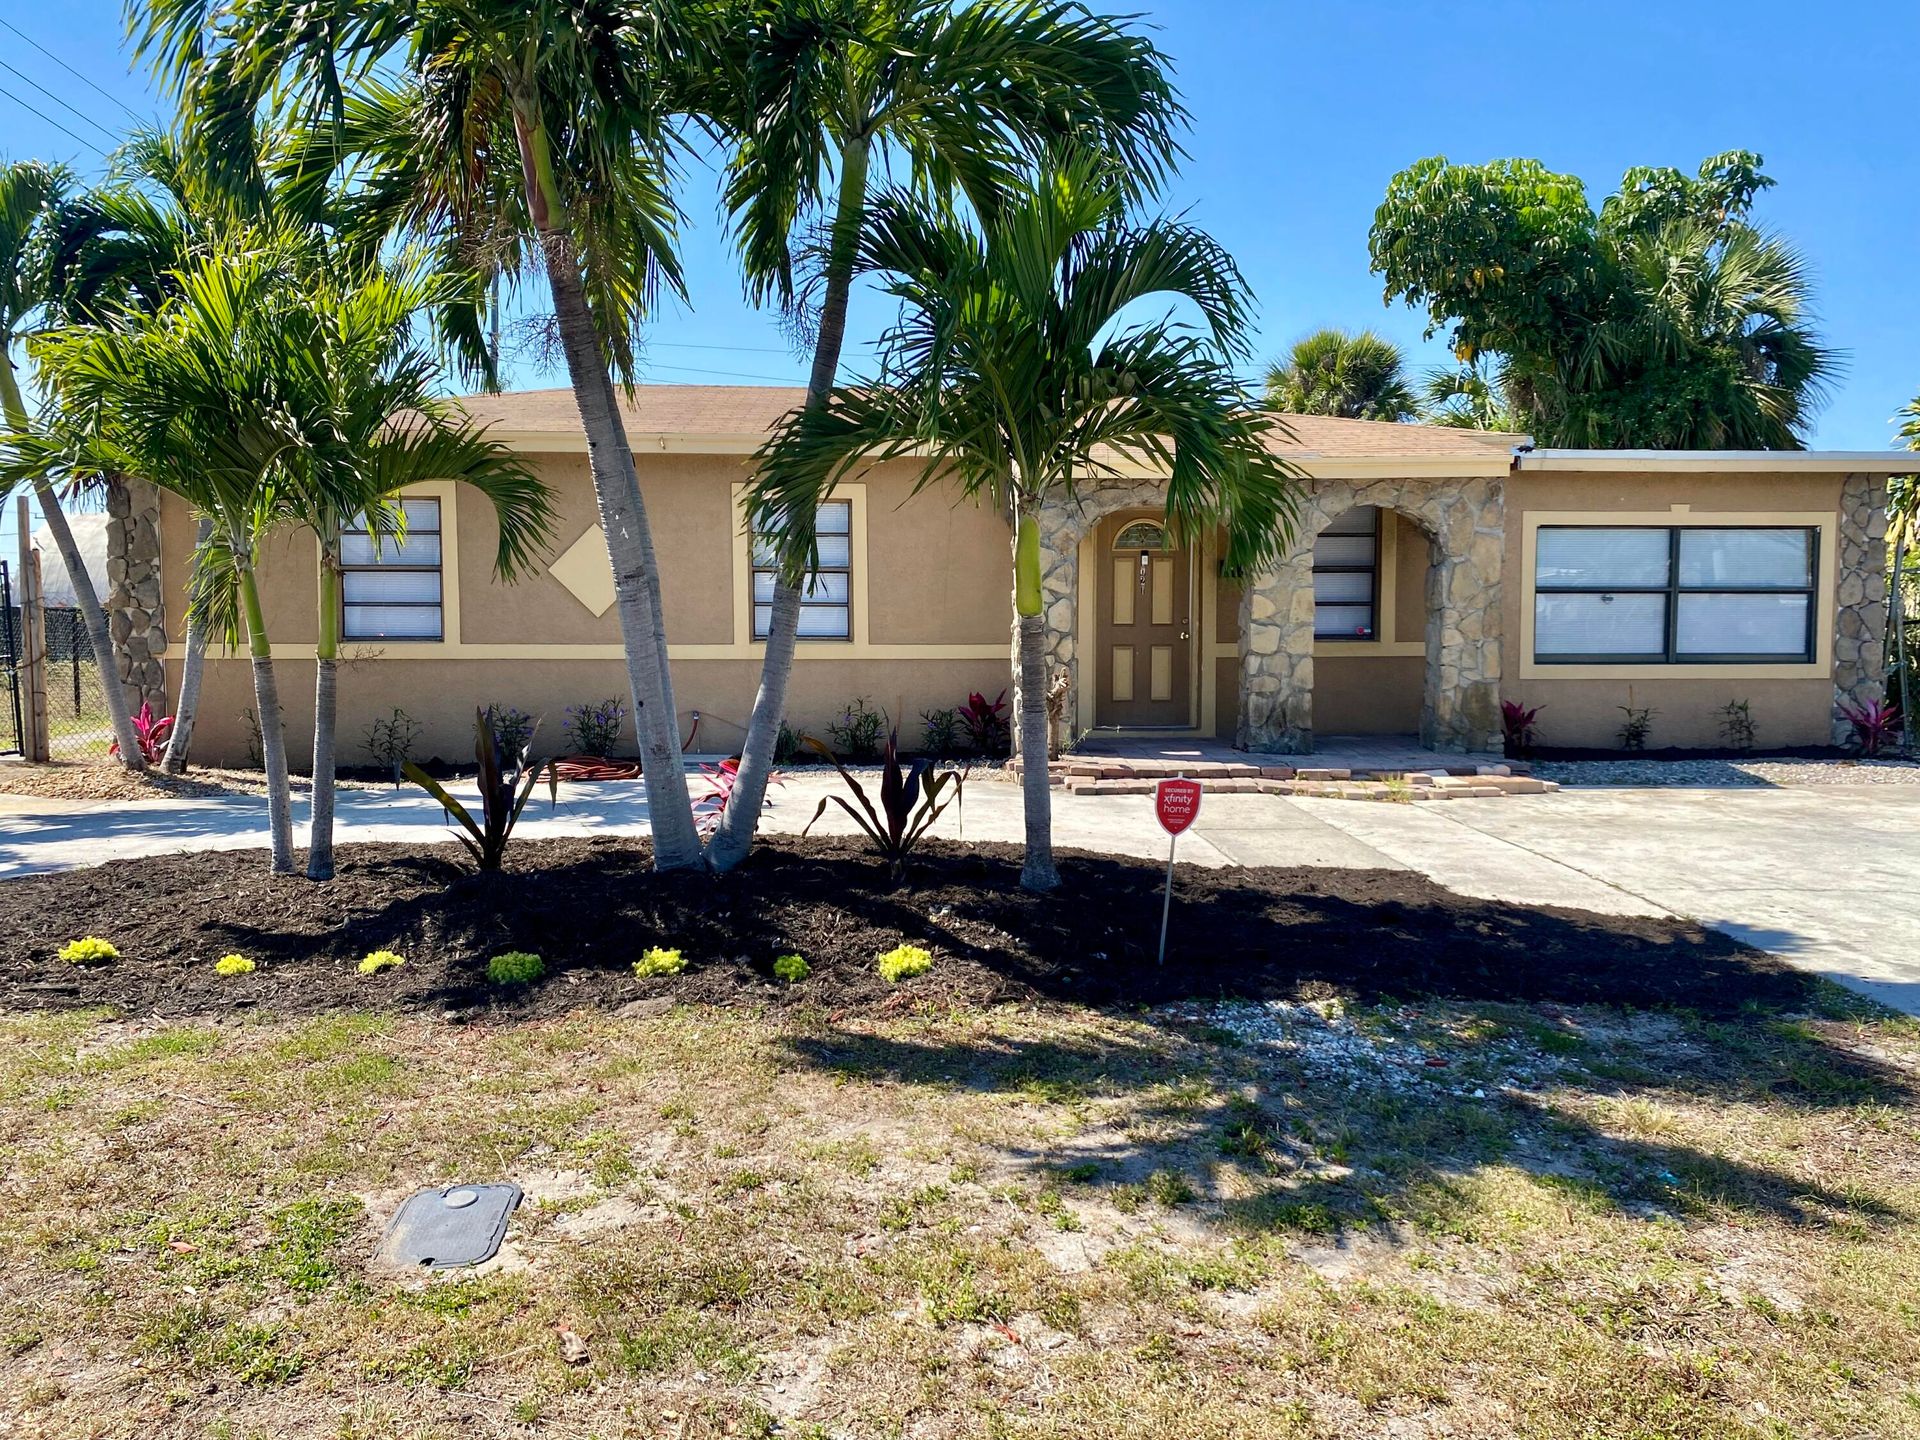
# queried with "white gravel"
point(1716, 773)
point(1393, 1051)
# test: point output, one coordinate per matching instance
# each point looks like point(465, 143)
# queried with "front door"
point(1144, 644)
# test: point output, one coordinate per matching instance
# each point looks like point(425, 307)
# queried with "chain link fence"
point(12, 736)
point(77, 725)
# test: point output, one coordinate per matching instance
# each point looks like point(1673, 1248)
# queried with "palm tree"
point(1337, 372)
point(185, 397)
point(815, 91)
point(526, 131)
point(1465, 399)
point(1019, 371)
point(118, 248)
point(1715, 349)
point(360, 395)
point(30, 196)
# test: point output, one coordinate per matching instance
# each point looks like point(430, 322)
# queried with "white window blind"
point(826, 597)
point(1674, 594)
point(1346, 576)
point(391, 585)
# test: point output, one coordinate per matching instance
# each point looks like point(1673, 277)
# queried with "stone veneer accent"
point(1465, 520)
point(136, 613)
point(1860, 621)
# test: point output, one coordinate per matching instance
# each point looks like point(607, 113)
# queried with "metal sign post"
point(1176, 804)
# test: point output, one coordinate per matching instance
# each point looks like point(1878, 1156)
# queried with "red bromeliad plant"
point(1516, 723)
point(1876, 725)
point(506, 780)
point(711, 803)
point(150, 734)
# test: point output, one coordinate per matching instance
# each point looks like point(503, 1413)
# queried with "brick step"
point(1417, 787)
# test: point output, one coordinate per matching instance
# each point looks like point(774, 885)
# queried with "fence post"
point(35, 739)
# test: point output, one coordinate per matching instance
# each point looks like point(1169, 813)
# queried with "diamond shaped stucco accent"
point(586, 572)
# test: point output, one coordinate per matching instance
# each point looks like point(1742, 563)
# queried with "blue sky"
point(1302, 113)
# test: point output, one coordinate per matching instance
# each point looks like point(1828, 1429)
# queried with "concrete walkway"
point(1823, 876)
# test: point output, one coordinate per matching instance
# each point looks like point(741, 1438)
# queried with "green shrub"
point(233, 965)
point(791, 968)
point(659, 962)
point(89, 950)
point(515, 967)
point(378, 960)
point(903, 962)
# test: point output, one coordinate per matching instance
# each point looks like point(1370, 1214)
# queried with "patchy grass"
point(1209, 1221)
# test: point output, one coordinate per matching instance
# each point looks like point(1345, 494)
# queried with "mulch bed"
point(590, 907)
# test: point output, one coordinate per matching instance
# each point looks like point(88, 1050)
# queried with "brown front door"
point(1144, 638)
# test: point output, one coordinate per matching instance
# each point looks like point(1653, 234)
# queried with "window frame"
point(755, 571)
point(1673, 589)
point(439, 569)
point(1372, 637)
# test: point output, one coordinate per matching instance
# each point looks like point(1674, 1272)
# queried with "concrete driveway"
point(1826, 877)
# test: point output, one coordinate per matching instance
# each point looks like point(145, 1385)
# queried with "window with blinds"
point(1671, 595)
point(1346, 577)
point(390, 584)
point(826, 598)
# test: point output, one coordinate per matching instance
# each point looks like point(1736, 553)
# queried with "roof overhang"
point(1726, 462)
point(1319, 467)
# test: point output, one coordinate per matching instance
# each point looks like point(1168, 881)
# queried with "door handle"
point(1184, 635)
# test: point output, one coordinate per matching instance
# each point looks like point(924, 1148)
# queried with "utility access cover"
point(444, 1229)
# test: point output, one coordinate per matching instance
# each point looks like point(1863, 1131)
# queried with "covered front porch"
point(1382, 616)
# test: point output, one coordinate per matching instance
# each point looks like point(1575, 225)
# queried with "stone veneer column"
point(136, 613)
point(1860, 622)
point(1465, 523)
point(1276, 649)
point(1461, 710)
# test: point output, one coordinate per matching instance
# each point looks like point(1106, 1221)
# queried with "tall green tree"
point(1337, 372)
point(1022, 368)
point(1664, 321)
point(362, 395)
point(281, 385)
point(1468, 398)
point(32, 196)
point(1903, 499)
point(523, 135)
point(816, 94)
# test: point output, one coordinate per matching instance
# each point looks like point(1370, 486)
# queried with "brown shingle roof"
point(746, 412)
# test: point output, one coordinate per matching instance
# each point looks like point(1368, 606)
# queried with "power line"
point(73, 72)
point(62, 101)
point(92, 145)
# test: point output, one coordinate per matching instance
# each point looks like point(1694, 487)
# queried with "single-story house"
point(1435, 572)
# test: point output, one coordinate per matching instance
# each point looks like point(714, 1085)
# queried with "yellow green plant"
point(89, 950)
point(234, 965)
point(377, 960)
point(791, 968)
point(903, 962)
point(515, 967)
point(659, 962)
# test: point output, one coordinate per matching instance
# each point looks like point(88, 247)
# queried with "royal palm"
point(1024, 366)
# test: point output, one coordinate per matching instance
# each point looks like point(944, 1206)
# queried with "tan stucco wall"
point(936, 574)
point(1359, 696)
point(1583, 712)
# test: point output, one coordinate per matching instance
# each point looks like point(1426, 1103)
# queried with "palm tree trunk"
point(273, 739)
point(733, 838)
point(85, 596)
point(623, 513)
point(1030, 699)
point(187, 707)
point(1038, 873)
point(325, 710)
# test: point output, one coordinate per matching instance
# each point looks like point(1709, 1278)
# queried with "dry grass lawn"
point(1218, 1221)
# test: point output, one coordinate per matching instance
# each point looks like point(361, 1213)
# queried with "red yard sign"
point(1177, 804)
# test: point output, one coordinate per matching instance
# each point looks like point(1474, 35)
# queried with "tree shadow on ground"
point(1306, 1127)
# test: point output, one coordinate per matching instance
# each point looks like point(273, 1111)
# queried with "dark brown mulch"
point(590, 907)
